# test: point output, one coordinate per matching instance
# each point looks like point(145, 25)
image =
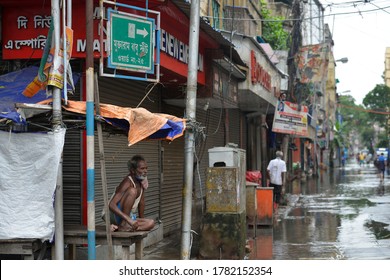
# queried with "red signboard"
point(25, 31)
point(258, 74)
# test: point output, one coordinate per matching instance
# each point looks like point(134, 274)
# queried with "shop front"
point(22, 42)
point(258, 97)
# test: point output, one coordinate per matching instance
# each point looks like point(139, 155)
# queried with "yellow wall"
point(387, 67)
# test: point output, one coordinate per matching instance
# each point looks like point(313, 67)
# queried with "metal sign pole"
point(189, 137)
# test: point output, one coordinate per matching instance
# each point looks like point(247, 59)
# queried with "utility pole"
point(90, 131)
point(296, 43)
point(192, 80)
point(56, 125)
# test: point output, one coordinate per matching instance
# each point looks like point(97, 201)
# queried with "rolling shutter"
point(127, 93)
point(172, 178)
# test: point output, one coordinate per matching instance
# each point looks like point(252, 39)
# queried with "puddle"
point(379, 229)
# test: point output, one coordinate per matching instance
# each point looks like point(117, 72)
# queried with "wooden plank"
point(139, 249)
point(14, 248)
point(77, 235)
point(19, 246)
point(100, 231)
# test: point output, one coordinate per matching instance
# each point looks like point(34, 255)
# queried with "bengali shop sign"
point(24, 35)
point(289, 120)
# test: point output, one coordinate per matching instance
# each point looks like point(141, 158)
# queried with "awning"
point(11, 92)
point(139, 123)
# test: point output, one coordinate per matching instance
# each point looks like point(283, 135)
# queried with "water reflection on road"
point(341, 214)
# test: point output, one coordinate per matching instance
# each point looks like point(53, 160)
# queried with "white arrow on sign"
point(143, 32)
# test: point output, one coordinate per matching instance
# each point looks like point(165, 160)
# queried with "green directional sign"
point(131, 42)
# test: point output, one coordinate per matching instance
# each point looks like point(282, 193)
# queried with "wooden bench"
point(25, 247)
point(77, 235)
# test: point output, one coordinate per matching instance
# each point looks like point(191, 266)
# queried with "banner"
point(289, 120)
point(51, 69)
point(29, 166)
point(312, 63)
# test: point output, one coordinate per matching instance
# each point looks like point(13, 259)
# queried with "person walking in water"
point(361, 159)
point(276, 171)
point(381, 165)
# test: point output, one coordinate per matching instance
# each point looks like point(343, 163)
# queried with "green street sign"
point(131, 43)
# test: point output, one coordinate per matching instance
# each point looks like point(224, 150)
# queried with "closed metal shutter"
point(127, 93)
point(234, 126)
point(71, 177)
point(244, 132)
point(172, 178)
point(213, 120)
point(173, 165)
point(72, 165)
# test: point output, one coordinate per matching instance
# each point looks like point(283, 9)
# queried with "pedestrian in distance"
point(129, 198)
point(276, 171)
point(381, 165)
point(361, 159)
point(343, 159)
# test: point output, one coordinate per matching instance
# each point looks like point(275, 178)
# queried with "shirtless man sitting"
point(129, 198)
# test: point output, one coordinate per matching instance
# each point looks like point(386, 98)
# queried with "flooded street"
point(342, 214)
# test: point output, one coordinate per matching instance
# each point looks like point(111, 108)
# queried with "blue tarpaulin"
point(139, 123)
point(12, 86)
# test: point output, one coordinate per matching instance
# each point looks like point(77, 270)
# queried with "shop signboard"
point(290, 119)
point(131, 42)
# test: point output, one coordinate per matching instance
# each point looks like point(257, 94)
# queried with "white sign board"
point(289, 120)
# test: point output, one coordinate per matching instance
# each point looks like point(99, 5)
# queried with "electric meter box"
point(226, 157)
point(226, 180)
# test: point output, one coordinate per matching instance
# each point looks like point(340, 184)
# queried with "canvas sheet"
point(29, 165)
point(139, 123)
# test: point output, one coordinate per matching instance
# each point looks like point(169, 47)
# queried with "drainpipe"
point(189, 136)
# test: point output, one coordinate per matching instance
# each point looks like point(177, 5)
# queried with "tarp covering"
point(12, 86)
point(29, 165)
point(139, 123)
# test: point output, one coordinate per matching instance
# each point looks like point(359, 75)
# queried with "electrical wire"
point(303, 19)
point(364, 110)
point(380, 8)
point(146, 95)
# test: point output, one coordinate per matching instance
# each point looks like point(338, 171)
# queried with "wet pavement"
point(342, 213)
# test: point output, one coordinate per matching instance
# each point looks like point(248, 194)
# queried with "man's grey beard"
point(140, 177)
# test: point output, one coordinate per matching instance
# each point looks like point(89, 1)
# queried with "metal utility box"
point(226, 181)
point(227, 157)
point(225, 191)
point(224, 231)
point(265, 205)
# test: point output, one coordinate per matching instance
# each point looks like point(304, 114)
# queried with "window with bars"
point(216, 9)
